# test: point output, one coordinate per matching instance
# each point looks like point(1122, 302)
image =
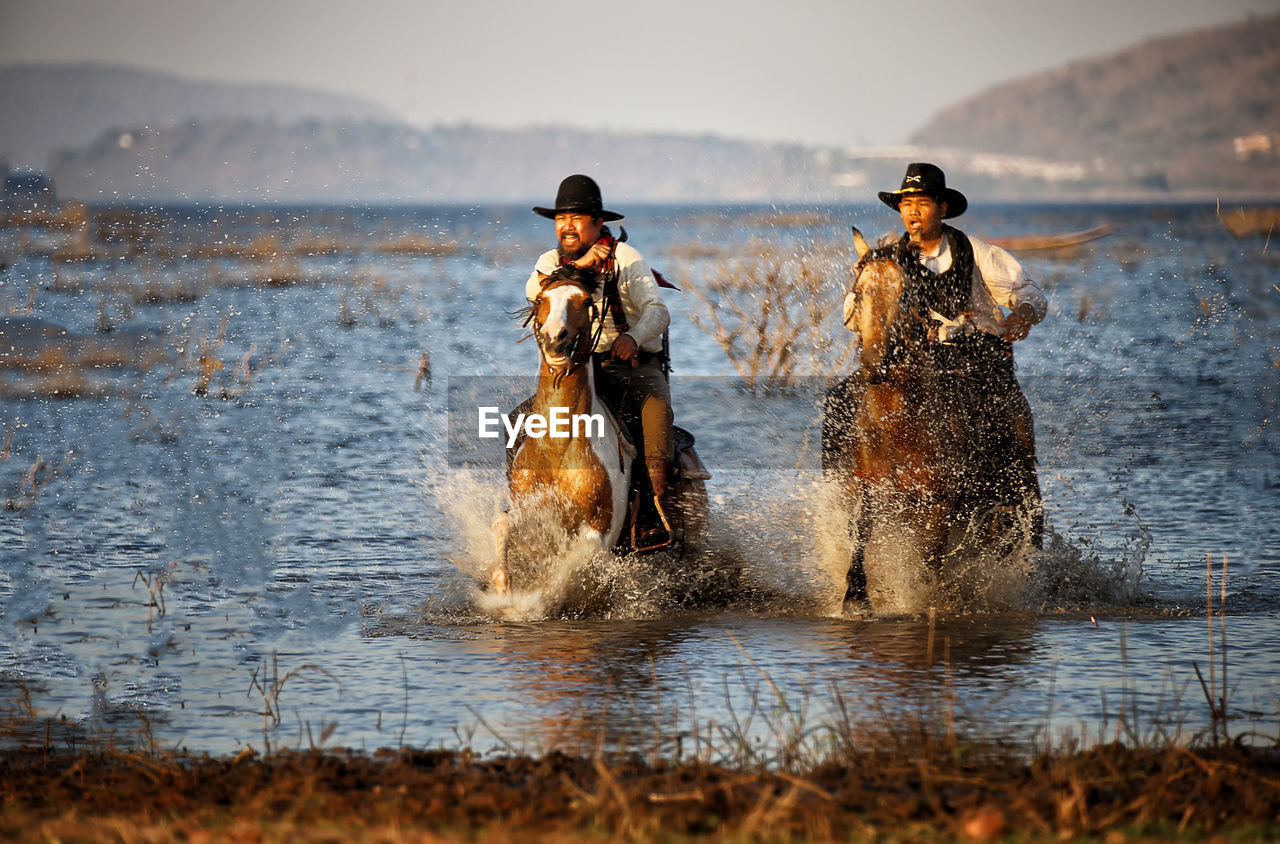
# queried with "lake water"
point(307, 541)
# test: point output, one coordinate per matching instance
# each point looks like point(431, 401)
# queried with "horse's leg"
point(895, 568)
point(904, 550)
point(1009, 460)
point(856, 578)
point(1023, 448)
point(1004, 453)
point(522, 409)
point(934, 516)
point(838, 408)
point(501, 540)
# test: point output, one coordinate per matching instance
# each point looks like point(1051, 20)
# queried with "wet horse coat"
point(584, 479)
point(897, 448)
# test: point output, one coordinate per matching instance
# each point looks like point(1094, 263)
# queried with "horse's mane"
point(903, 254)
point(584, 277)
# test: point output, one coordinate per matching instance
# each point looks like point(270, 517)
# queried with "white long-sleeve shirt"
point(999, 281)
point(647, 315)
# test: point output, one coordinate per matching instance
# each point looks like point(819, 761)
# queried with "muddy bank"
point(961, 793)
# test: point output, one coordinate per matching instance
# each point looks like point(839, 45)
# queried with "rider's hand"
point(1017, 325)
point(595, 257)
point(625, 347)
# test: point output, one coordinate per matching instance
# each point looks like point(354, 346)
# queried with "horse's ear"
point(542, 279)
point(859, 242)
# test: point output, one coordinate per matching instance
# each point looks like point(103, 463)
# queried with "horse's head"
point(884, 311)
point(562, 316)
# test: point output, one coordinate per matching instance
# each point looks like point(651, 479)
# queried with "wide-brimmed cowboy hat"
point(927, 179)
point(578, 194)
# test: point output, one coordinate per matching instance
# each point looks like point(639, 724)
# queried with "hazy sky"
point(838, 72)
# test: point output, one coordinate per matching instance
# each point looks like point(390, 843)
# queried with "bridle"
point(582, 348)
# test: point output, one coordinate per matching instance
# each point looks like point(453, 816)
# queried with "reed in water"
point(939, 773)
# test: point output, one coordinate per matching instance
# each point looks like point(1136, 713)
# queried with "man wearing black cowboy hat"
point(968, 301)
point(969, 285)
point(630, 345)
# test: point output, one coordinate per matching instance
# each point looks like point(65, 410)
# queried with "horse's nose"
point(555, 337)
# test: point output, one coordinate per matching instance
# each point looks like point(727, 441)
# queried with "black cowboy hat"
point(929, 180)
point(578, 195)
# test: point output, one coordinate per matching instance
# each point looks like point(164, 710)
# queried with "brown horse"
point(901, 441)
point(583, 486)
point(581, 479)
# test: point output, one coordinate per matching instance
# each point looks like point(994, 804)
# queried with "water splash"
point(986, 570)
point(554, 573)
point(1068, 576)
point(755, 557)
point(781, 550)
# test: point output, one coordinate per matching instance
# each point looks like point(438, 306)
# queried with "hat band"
point(936, 194)
point(579, 206)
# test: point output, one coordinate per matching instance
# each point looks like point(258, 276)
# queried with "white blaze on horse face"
point(559, 329)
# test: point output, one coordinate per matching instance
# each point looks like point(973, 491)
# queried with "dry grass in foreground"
point(919, 790)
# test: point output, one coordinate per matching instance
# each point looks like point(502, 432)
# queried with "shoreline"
point(926, 789)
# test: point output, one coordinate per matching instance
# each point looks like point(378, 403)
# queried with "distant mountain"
point(1162, 115)
point(47, 107)
point(1191, 115)
point(307, 161)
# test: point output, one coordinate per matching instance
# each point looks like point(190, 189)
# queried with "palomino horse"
point(901, 446)
point(584, 478)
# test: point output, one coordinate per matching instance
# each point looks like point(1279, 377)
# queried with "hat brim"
point(550, 213)
point(956, 203)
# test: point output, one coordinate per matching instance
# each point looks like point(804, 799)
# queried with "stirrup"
point(666, 525)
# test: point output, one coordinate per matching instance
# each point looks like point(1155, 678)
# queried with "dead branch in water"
point(770, 312)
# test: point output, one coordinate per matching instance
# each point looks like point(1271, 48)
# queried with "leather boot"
point(659, 470)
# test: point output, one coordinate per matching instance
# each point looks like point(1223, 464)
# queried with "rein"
point(582, 351)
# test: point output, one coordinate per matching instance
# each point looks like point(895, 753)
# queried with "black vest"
point(950, 293)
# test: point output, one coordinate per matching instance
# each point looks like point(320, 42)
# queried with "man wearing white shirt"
point(963, 305)
point(631, 316)
point(968, 286)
